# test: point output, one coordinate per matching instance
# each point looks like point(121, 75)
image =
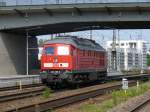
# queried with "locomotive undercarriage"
point(54, 78)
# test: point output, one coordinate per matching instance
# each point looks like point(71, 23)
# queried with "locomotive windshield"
point(49, 50)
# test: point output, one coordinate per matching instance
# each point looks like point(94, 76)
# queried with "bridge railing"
point(46, 2)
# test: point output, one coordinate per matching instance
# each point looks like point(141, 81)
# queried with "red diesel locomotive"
point(74, 60)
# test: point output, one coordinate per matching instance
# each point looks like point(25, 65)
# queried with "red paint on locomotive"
point(54, 59)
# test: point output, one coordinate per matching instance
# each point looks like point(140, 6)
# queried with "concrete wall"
point(13, 54)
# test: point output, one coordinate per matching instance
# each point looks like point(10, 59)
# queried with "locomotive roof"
point(80, 43)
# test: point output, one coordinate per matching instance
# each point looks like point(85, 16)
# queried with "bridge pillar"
point(13, 54)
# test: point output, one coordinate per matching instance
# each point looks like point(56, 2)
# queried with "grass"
point(47, 92)
point(50, 110)
point(97, 107)
point(131, 72)
point(120, 96)
point(117, 98)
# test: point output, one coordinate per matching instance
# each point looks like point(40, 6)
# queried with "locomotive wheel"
point(74, 86)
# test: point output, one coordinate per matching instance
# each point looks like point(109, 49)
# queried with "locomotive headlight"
point(63, 50)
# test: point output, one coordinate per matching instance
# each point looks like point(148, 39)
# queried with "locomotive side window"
point(49, 50)
point(71, 52)
point(84, 52)
point(63, 50)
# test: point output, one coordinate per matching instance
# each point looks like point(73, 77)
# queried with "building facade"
point(130, 54)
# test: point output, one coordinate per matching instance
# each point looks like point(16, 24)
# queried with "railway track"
point(9, 95)
point(17, 87)
point(70, 99)
point(141, 105)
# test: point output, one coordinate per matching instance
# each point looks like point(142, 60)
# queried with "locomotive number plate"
point(48, 65)
point(56, 65)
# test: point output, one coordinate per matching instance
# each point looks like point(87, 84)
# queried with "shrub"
point(47, 92)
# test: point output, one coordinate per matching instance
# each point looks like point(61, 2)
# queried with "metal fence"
point(46, 2)
point(9, 81)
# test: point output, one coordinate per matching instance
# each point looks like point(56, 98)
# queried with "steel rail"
point(57, 103)
point(141, 105)
point(21, 94)
point(17, 87)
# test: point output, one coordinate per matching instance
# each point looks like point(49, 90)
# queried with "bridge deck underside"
point(46, 19)
point(72, 27)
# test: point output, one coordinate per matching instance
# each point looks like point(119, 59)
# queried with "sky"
point(101, 36)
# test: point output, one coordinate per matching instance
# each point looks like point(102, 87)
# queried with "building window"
point(122, 44)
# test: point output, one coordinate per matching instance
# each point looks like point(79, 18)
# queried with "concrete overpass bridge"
point(18, 20)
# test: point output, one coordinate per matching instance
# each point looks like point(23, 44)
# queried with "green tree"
point(148, 59)
point(40, 42)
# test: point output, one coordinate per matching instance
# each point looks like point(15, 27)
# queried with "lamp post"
point(31, 2)
point(45, 2)
point(27, 52)
point(57, 1)
point(16, 2)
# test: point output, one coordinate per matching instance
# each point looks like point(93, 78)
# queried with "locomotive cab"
point(56, 57)
point(56, 60)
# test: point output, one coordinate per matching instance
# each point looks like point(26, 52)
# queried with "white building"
point(130, 54)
